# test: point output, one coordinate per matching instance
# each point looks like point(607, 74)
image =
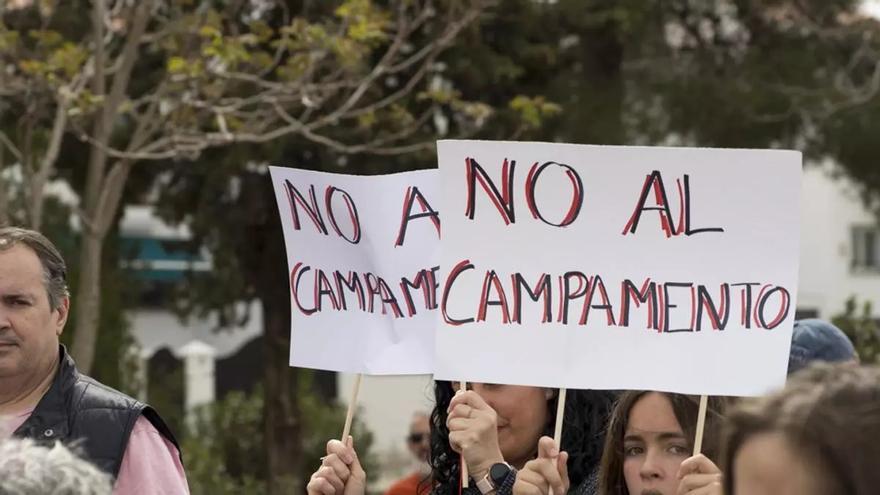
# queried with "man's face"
point(29, 329)
point(419, 440)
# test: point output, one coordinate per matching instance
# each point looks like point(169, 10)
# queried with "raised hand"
point(340, 472)
point(699, 476)
point(473, 432)
point(549, 471)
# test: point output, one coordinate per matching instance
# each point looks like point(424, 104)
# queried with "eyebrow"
point(663, 435)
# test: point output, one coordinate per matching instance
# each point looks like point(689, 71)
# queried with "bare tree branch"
point(4, 139)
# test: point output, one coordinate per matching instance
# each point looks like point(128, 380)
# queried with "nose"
point(651, 469)
point(4, 318)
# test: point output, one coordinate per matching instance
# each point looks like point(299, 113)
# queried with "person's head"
point(30, 469)
point(817, 340)
point(524, 415)
point(820, 434)
point(419, 438)
point(34, 301)
point(649, 435)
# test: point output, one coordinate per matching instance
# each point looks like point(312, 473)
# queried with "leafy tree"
point(862, 328)
point(156, 80)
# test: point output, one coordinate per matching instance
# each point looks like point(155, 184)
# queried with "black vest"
point(94, 418)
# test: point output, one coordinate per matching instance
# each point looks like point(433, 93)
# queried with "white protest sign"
point(362, 255)
point(607, 267)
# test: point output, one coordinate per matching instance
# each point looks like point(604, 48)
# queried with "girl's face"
point(654, 447)
point(522, 417)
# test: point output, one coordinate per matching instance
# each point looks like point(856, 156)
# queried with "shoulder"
point(88, 393)
point(151, 463)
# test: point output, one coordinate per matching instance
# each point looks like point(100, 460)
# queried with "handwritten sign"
point(617, 267)
point(362, 257)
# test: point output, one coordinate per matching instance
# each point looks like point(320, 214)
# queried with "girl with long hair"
point(649, 443)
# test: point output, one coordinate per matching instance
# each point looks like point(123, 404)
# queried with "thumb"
point(355, 465)
point(547, 448)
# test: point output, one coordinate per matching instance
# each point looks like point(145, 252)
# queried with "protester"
point(498, 426)
point(419, 443)
point(819, 435)
point(496, 429)
point(45, 398)
point(27, 468)
point(817, 340)
point(650, 440)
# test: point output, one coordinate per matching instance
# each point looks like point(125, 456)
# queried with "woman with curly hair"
point(495, 429)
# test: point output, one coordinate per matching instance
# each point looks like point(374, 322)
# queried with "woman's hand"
point(340, 472)
point(473, 432)
point(549, 471)
point(699, 476)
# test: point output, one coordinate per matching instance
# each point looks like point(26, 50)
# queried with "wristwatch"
point(494, 478)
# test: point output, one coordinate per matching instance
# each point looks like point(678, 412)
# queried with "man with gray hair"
point(42, 395)
point(27, 468)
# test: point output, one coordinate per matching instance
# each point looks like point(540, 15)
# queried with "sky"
point(871, 7)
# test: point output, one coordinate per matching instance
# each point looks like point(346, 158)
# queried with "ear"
point(63, 310)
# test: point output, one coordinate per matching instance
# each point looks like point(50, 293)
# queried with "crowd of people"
point(816, 436)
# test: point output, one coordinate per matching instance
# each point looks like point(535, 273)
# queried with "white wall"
point(829, 208)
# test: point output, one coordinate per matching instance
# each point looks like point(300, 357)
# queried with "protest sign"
point(601, 267)
point(362, 256)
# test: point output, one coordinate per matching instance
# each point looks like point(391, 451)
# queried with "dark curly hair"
point(586, 413)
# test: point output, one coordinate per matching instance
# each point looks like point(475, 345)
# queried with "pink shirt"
point(150, 465)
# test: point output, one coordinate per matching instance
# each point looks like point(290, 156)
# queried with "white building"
point(840, 246)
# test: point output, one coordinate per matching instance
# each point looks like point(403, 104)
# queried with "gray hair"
point(27, 468)
point(54, 268)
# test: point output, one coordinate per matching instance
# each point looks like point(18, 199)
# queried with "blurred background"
point(137, 135)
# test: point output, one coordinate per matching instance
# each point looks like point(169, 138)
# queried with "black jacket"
point(93, 417)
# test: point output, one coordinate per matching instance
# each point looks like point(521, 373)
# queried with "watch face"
point(498, 472)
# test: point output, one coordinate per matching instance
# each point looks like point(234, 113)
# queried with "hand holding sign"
point(340, 472)
point(546, 474)
point(699, 476)
point(473, 432)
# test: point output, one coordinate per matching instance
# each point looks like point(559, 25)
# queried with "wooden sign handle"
point(352, 404)
point(701, 423)
point(464, 469)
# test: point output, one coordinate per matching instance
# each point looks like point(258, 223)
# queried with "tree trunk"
point(283, 421)
point(88, 300)
point(4, 198)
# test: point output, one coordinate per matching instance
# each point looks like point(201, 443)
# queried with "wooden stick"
point(464, 469)
point(560, 415)
point(701, 423)
point(352, 404)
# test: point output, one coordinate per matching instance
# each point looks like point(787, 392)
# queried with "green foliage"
point(862, 328)
point(533, 111)
point(224, 448)
point(325, 421)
